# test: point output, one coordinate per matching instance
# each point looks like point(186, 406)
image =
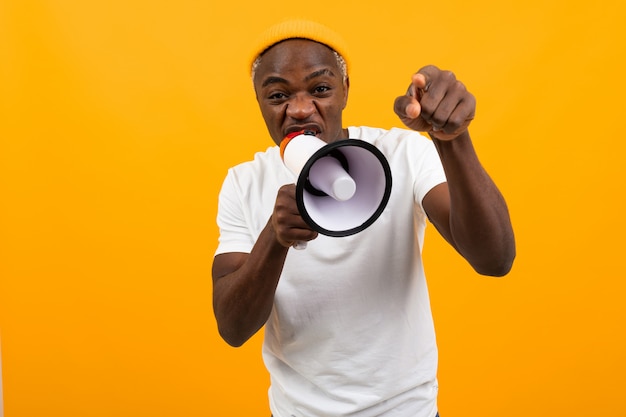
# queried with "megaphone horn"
point(342, 187)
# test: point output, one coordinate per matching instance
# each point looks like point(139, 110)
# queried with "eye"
point(321, 89)
point(277, 96)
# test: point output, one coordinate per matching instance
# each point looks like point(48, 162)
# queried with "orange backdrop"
point(119, 118)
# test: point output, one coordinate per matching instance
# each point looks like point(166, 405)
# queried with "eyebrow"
point(315, 74)
point(323, 71)
point(273, 80)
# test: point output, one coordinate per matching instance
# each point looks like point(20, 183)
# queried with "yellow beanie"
point(301, 29)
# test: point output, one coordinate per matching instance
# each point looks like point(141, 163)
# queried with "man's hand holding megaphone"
point(289, 226)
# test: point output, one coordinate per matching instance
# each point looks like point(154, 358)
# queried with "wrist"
point(440, 136)
point(277, 242)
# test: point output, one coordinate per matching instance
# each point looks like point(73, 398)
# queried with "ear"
point(346, 88)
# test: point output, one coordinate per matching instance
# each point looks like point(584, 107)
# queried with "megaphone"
point(342, 187)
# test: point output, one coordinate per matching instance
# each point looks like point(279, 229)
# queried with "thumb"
point(407, 107)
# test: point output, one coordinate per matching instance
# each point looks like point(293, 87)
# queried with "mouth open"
point(308, 130)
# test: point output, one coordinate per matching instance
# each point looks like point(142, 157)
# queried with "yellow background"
point(119, 118)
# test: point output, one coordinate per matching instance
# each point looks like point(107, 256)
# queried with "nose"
point(300, 107)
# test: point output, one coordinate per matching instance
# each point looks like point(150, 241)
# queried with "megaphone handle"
point(299, 245)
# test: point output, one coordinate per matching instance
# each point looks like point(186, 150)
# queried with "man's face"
point(299, 86)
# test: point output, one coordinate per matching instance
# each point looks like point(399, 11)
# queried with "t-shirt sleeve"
point(430, 170)
point(234, 233)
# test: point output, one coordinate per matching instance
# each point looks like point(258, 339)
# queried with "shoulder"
point(392, 140)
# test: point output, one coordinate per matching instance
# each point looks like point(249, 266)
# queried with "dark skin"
point(299, 85)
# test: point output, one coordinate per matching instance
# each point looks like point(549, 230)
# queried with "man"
point(348, 325)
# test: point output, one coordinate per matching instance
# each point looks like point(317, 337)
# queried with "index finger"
point(419, 82)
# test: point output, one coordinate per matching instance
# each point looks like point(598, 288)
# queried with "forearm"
point(480, 226)
point(243, 299)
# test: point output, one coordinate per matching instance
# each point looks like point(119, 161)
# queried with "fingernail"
point(412, 111)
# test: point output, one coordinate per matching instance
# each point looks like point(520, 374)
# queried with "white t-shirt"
point(351, 331)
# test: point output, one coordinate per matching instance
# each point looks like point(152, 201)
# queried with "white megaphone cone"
point(342, 187)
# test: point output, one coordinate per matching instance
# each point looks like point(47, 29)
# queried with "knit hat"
point(299, 29)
